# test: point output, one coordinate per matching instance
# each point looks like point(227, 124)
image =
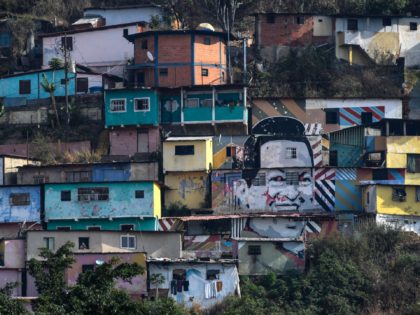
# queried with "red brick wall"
point(140, 55)
point(285, 31)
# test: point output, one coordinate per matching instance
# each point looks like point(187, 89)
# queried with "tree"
point(49, 87)
point(157, 279)
point(7, 304)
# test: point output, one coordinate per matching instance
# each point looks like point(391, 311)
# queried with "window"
point(333, 158)
point(271, 19)
point(192, 103)
point(83, 242)
point(142, 104)
point(93, 194)
point(300, 20)
point(82, 85)
point(386, 21)
point(140, 78)
point(331, 117)
point(65, 195)
point(207, 41)
point(127, 227)
point(20, 199)
point(24, 86)
point(163, 72)
point(40, 179)
point(254, 249)
point(417, 193)
point(179, 274)
point(259, 180)
point(139, 194)
point(94, 228)
point(184, 150)
point(292, 178)
point(352, 25)
point(291, 153)
point(117, 105)
point(128, 241)
point(63, 81)
point(413, 26)
point(144, 44)
point(49, 243)
point(230, 151)
point(379, 174)
point(212, 274)
point(375, 157)
point(413, 163)
point(207, 103)
point(398, 194)
point(86, 268)
point(67, 42)
point(366, 118)
point(78, 176)
point(63, 228)
point(205, 72)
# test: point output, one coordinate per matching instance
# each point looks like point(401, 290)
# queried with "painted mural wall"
point(262, 257)
point(126, 199)
point(20, 204)
point(197, 289)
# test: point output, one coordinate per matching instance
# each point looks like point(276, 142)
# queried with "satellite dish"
point(150, 56)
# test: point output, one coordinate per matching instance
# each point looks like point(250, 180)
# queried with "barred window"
point(291, 153)
point(292, 178)
point(21, 199)
point(259, 180)
point(93, 194)
point(399, 194)
point(142, 104)
point(118, 105)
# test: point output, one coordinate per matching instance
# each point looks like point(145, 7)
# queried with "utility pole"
point(66, 79)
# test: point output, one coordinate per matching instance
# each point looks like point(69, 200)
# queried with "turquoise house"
point(102, 206)
point(131, 107)
point(16, 89)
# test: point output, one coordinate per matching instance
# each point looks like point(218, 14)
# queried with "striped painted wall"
point(278, 107)
point(352, 116)
point(347, 191)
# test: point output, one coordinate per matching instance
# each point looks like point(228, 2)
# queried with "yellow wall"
point(157, 205)
point(386, 205)
point(186, 188)
point(412, 178)
point(201, 160)
point(397, 149)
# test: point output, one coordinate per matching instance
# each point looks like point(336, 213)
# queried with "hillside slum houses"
point(199, 182)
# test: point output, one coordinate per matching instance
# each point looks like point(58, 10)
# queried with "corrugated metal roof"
point(188, 138)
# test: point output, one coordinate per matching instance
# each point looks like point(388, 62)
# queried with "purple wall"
point(124, 141)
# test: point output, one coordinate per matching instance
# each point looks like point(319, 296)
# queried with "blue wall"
point(121, 203)
point(109, 173)
point(9, 86)
point(11, 213)
point(130, 117)
point(147, 224)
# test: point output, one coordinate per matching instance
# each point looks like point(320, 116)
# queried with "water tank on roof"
point(205, 26)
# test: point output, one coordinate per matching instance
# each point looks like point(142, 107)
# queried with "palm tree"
point(49, 87)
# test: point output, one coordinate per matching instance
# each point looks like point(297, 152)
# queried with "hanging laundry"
point(186, 285)
point(173, 287)
point(179, 285)
point(207, 290)
point(213, 289)
point(219, 285)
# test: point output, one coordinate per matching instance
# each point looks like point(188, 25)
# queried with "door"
point(142, 141)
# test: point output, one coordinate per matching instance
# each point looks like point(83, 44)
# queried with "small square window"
point(413, 26)
point(94, 228)
point(142, 104)
point(24, 86)
point(82, 85)
point(300, 20)
point(65, 195)
point(292, 178)
point(63, 81)
point(19, 199)
point(331, 117)
point(366, 118)
point(399, 194)
point(49, 243)
point(207, 41)
point(117, 105)
point(144, 44)
point(63, 228)
point(127, 227)
point(40, 179)
point(259, 180)
point(83, 242)
point(386, 21)
point(291, 153)
point(184, 150)
point(205, 72)
point(192, 103)
point(86, 268)
point(163, 72)
point(271, 19)
point(254, 249)
point(352, 25)
point(212, 274)
point(67, 42)
point(230, 151)
point(128, 241)
point(139, 194)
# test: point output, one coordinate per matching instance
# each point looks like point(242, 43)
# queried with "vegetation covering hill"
point(375, 270)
